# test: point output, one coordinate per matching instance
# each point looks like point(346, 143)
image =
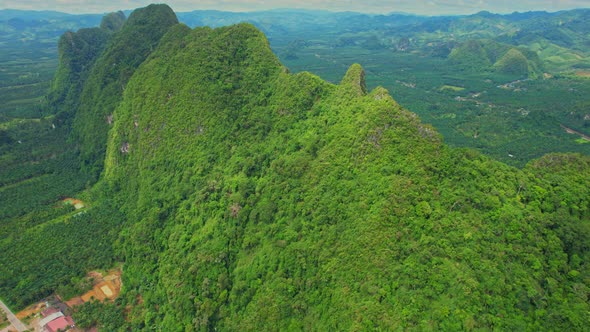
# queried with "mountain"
point(107, 79)
point(471, 54)
point(113, 21)
point(257, 199)
point(48, 159)
point(513, 62)
point(241, 196)
point(488, 55)
point(402, 53)
point(77, 53)
point(560, 39)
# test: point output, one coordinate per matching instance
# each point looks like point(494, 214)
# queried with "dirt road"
point(20, 327)
point(571, 131)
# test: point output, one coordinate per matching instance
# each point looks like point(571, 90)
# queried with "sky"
point(422, 7)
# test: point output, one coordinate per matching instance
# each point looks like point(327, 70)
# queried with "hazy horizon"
point(428, 8)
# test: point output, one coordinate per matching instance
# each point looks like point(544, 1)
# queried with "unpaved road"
point(571, 131)
point(20, 327)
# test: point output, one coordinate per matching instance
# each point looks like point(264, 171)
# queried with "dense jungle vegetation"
point(502, 84)
point(242, 196)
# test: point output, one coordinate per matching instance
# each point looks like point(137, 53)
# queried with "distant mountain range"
point(561, 39)
point(472, 53)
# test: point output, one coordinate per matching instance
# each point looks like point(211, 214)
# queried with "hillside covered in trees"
point(501, 84)
point(245, 197)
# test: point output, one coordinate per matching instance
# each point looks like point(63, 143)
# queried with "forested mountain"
point(502, 84)
point(241, 196)
point(77, 53)
point(46, 160)
point(107, 80)
point(257, 199)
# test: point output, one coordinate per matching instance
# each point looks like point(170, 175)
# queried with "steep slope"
point(260, 200)
point(113, 22)
point(78, 51)
point(138, 36)
point(45, 246)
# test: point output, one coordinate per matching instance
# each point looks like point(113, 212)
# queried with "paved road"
point(20, 327)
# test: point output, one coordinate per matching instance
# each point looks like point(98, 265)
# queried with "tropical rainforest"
point(239, 194)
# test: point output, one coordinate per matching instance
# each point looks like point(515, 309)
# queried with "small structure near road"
point(50, 317)
point(54, 320)
point(49, 311)
point(59, 324)
point(51, 314)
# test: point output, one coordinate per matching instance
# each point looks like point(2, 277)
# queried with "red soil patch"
point(583, 74)
point(78, 204)
point(105, 288)
point(74, 302)
point(31, 310)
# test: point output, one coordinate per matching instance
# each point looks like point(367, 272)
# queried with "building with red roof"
point(49, 311)
point(61, 323)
